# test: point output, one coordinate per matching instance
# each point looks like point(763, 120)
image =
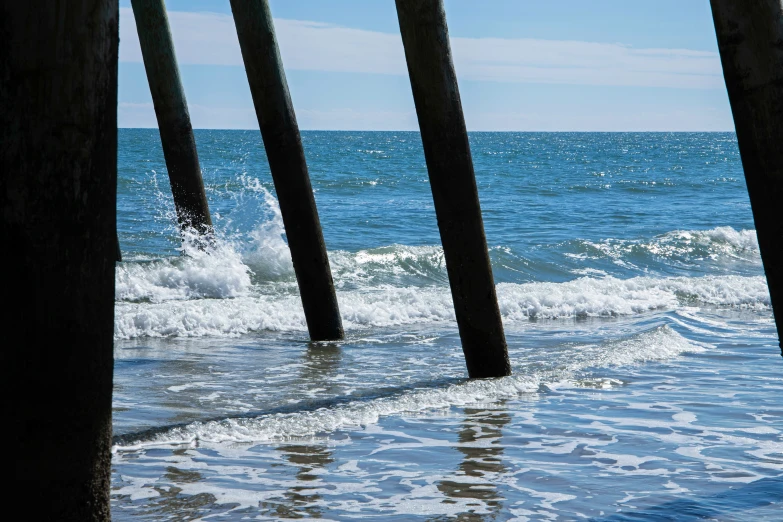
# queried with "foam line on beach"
point(660, 343)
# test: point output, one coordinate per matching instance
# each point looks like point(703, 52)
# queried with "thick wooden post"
point(284, 151)
point(425, 37)
point(171, 109)
point(750, 41)
point(58, 179)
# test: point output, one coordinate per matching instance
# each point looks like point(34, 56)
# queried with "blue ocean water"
point(647, 376)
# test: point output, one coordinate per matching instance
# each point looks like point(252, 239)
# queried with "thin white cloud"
point(350, 119)
point(548, 118)
point(136, 115)
point(142, 115)
point(210, 39)
point(553, 118)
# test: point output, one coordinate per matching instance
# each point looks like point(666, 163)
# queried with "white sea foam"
point(208, 317)
point(658, 344)
point(609, 296)
point(392, 306)
point(216, 273)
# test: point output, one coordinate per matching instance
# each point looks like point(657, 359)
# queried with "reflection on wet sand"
point(302, 499)
point(321, 363)
point(480, 442)
point(170, 503)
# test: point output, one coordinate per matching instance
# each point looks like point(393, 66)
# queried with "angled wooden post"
point(171, 109)
point(58, 158)
point(284, 151)
point(750, 41)
point(447, 152)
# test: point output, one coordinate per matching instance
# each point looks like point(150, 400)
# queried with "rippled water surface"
point(646, 373)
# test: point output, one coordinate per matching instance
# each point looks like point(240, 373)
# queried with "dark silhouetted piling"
point(58, 182)
point(750, 41)
point(284, 151)
point(171, 109)
point(447, 152)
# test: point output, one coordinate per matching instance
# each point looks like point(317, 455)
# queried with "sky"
point(522, 65)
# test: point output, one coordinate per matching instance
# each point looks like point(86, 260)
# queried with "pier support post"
point(171, 109)
point(284, 151)
point(447, 153)
point(750, 41)
point(58, 159)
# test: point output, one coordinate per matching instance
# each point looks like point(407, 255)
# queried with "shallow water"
point(646, 369)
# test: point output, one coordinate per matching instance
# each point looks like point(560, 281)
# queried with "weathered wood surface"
point(58, 159)
point(171, 109)
point(284, 151)
point(750, 41)
point(447, 152)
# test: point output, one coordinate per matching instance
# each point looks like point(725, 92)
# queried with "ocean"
point(647, 377)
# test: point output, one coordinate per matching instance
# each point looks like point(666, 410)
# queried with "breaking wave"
point(245, 283)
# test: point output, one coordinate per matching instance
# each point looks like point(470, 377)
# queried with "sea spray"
point(266, 253)
point(216, 272)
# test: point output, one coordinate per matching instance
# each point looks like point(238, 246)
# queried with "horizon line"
point(469, 131)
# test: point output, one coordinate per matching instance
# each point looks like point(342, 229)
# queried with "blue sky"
point(525, 65)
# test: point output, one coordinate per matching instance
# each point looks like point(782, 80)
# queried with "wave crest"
point(391, 306)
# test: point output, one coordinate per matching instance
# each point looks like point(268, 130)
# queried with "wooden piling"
point(171, 109)
point(284, 151)
point(58, 158)
point(447, 153)
point(749, 37)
